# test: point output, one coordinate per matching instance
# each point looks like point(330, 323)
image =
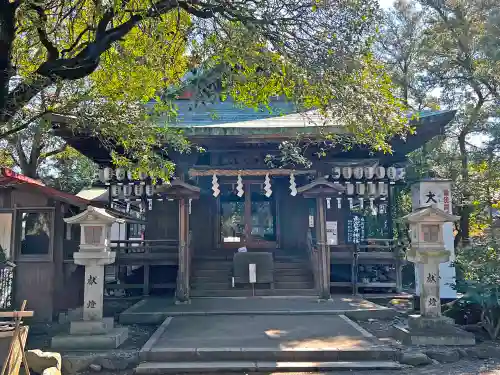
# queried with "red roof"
point(10, 178)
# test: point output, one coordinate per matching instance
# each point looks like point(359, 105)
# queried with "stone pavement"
point(261, 343)
point(154, 310)
point(285, 332)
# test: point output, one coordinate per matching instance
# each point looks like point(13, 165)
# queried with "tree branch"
point(46, 155)
point(21, 95)
point(23, 126)
point(53, 53)
point(87, 60)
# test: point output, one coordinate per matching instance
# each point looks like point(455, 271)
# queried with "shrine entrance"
point(249, 220)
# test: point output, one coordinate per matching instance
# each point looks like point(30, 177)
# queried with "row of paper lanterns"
point(107, 174)
point(379, 172)
point(394, 174)
point(379, 188)
point(129, 190)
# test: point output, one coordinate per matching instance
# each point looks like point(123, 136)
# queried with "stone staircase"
point(264, 361)
point(211, 277)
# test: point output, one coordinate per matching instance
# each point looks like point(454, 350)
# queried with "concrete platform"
point(255, 343)
point(109, 340)
point(155, 310)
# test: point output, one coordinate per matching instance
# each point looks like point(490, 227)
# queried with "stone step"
point(208, 273)
point(372, 353)
point(292, 278)
point(259, 367)
point(292, 272)
point(222, 265)
point(211, 279)
point(293, 285)
point(290, 265)
point(211, 285)
point(248, 292)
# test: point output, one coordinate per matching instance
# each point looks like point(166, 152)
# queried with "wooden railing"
point(142, 252)
point(134, 254)
point(375, 263)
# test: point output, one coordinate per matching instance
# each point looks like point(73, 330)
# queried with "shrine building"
point(228, 224)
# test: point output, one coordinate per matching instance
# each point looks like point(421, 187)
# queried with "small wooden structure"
point(34, 236)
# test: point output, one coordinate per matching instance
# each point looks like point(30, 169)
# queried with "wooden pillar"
point(389, 212)
point(323, 250)
point(182, 293)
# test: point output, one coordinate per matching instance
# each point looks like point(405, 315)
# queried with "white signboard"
point(438, 193)
point(331, 233)
point(311, 221)
point(252, 273)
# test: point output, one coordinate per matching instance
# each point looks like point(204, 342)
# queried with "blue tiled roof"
point(230, 114)
point(225, 113)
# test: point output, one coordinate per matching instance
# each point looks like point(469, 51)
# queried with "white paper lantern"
point(114, 190)
point(138, 190)
point(372, 207)
point(129, 175)
point(360, 189)
point(380, 172)
point(349, 188)
point(108, 174)
point(100, 174)
point(391, 173)
point(120, 174)
point(382, 189)
point(372, 189)
point(336, 173)
point(347, 172)
point(127, 190)
point(149, 190)
point(400, 174)
point(142, 176)
point(369, 172)
point(358, 173)
point(361, 203)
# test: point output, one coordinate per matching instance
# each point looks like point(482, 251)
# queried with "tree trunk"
point(465, 207)
point(7, 32)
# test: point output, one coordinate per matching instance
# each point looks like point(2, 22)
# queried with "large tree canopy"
point(108, 58)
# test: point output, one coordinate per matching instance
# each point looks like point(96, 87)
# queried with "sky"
point(386, 3)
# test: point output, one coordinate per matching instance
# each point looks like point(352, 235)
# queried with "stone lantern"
point(428, 251)
point(93, 331)
point(427, 248)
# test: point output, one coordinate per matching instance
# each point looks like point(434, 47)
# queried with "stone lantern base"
point(91, 335)
point(432, 331)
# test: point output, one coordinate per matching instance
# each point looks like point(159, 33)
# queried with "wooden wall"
point(163, 221)
point(293, 216)
point(43, 280)
point(202, 223)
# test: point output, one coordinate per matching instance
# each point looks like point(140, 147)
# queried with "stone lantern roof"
point(429, 214)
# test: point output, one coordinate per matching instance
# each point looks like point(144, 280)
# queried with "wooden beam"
point(324, 258)
point(182, 293)
point(195, 172)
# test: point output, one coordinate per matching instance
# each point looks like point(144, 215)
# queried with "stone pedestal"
point(90, 330)
point(432, 331)
point(431, 328)
point(93, 331)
